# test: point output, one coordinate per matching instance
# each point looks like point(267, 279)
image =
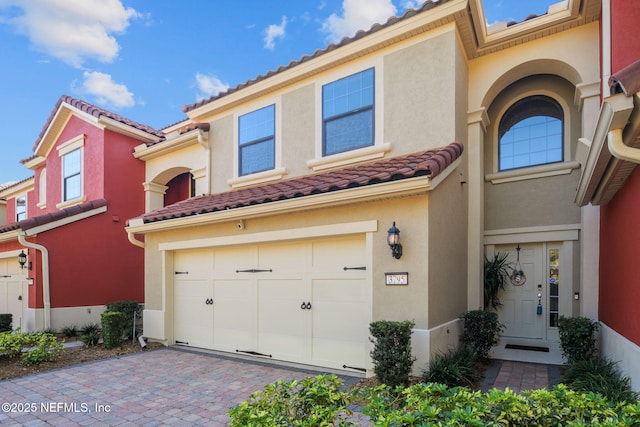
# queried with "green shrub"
point(11, 344)
point(69, 331)
point(314, 401)
point(599, 375)
point(458, 367)
point(90, 328)
point(577, 338)
point(391, 354)
point(438, 405)
point(481, 331)
point(112, 328)
point(496, 273)
point(46, 349)
point(128, 308)
point(91, 338)
point(5, 322)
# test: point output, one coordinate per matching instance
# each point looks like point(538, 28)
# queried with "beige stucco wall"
point(447, 251)
point(221, 152)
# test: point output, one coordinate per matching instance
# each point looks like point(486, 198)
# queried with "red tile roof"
point(95, 112)
point(430, 163)
point(36, 221)
point(427, 5)
point(627, 80)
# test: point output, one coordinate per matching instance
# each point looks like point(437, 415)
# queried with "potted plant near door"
point(496, 274)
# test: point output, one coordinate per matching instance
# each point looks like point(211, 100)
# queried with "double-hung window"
point(531, 133)
point(21, 208)
point(256, 141)
point(347, 113)
point(72, 175)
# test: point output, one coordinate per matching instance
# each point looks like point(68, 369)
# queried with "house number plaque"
point(396, 278)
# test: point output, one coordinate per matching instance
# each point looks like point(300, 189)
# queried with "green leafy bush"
point(599, 375)
point(34, 347)
point(89, 328)
point(112, 328)
point(578, 338)
point(46, 349)
point(481, 331)
point(391, 354)
point(128, 308)
point(91, 338)
point(458, 367)
point(69, 331)
point(438, 405)
point(314, 401)
point(496, 272)
point(5, 322)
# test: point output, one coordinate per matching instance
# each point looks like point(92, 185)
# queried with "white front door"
point(12, 292)
point(532, 310)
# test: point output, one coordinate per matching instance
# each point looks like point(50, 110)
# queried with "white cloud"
point(105, 90)
point(357, 15)
point(273, 32)
point(73, 30)
point(412, 4)
point(209, 86)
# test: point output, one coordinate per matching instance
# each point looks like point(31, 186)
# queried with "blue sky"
point(145, 59)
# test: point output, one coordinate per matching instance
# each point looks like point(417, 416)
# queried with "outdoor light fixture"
point(22, 259)
point(393, 239)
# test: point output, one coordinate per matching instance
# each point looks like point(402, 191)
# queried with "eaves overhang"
point(389, 190)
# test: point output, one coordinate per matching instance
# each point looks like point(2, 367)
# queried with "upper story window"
point(347, 113)
point(256, 141)
point(531, 133)
point(72, 175)
point(21, 208)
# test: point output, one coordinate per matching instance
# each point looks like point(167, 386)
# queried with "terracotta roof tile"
point(36, 221)
point(95, 112)
point(427, 5)
point(430, 162)
point(627, 80)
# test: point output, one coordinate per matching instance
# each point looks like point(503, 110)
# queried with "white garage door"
point(307, 302)
point(12, 296)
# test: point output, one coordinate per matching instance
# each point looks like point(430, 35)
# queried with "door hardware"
point(354, 268)
point(254, 270)
point(5, 277)
point(305, 305)
point(253, 353)
point(209, 301)
point(354, 368)
point(181, 272)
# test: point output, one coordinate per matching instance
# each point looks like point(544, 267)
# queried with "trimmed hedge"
point(128, 308)
point(391, 354)
point(112, 328)
point(5, 322)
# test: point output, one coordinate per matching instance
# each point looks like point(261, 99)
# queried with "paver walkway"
point(168, 387)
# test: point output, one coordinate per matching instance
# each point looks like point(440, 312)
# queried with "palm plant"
point(496, 274)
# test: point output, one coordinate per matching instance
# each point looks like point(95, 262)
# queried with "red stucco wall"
point(619, 259)
point(625, 47)
point(178, 189)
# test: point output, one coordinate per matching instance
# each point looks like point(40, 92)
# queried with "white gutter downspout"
point(134, 241)
point(45, 276)
point(620, 150)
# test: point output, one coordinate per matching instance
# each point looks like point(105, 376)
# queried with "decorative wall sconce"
point(393, 239)
point(22, 259)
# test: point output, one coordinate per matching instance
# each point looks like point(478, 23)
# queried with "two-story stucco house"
point(63, 254)
point(462, 136)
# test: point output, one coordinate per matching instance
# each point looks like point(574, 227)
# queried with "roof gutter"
point(619, 149)
point(45, 276)
point(132, 239)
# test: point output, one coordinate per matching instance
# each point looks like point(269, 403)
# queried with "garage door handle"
point(209, 301)
point(305, 305)
point(181, 272)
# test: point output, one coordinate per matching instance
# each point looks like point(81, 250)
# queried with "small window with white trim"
point(21, 208)
point(256, 141)
point(72, 175)
point(348, 113)
point(531, 133)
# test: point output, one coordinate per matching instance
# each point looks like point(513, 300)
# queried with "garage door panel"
point(193, 320)
point(196, 264)
point(282, 327)
point(234, 315)
point(352, 354)
point(284, 257)
point(228, 260)
point(339, 289)
point(337, 253)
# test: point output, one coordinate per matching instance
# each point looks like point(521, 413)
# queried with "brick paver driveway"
point(160, 387)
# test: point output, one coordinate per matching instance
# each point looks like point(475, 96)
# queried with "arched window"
point(531, 133)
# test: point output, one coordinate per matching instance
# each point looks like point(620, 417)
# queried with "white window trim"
point(64, 149)
point(42, 193)
point(538, 171)
point(26, 213)
point(264, 176)
point(379, 148)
